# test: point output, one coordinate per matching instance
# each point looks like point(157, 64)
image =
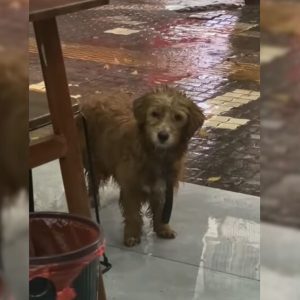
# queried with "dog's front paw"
point(131, 241)
point(165, 232)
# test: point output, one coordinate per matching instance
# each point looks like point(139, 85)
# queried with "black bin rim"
point(72, 255)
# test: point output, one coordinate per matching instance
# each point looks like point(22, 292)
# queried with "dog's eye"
point(155, 114)
point(178, 117)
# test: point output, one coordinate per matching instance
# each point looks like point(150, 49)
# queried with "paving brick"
point(228, 126)
point(211, 123)
point(255, 93)
point(218, 110)
point(215, 101)
point(221, 119)
point(236, 103)
point(230, 94)
point(253, 97)
point(240, 101)
point(238, 121)
point(249, 97)
point(228, 105)
point(241, 91)
point(224, 98)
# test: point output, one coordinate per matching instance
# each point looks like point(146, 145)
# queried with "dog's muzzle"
point(163, 136)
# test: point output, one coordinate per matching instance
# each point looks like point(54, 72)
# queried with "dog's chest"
point(153, 181)
point(157, 187)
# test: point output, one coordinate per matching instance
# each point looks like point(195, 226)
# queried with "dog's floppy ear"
point(196, 118)
point(140, 106)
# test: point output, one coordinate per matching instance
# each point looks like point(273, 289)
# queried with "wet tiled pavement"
point(130, 47)
point(280, 176)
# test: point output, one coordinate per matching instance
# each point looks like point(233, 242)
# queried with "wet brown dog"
point(14, 171)
point(140, 143)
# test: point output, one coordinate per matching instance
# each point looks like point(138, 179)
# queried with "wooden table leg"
point(60, 107)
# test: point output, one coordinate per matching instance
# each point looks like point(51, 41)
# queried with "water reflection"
point(230, 245)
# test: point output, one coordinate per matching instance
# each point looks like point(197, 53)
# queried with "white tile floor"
point(215, 255)
point(136, 276)
point(224, 103)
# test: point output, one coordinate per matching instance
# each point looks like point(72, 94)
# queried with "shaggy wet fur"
point(14, 172)
point(141, 143)
point(13, 123)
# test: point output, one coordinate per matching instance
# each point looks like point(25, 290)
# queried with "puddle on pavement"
point(240, 71)
point(98, 54)
point(245, 72)
point(204, 5)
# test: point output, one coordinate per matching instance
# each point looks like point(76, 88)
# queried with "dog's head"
point(167, 117)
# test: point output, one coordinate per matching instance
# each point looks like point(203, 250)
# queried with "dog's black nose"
point(163, 136)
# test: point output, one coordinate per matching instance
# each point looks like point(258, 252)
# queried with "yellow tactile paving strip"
point(215, 106)
point(97, 54)
point(224, 122)
point(226, 102)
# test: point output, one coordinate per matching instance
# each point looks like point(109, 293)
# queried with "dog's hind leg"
point(131, 204)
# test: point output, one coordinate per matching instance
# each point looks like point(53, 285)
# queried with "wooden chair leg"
point(61, 112)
